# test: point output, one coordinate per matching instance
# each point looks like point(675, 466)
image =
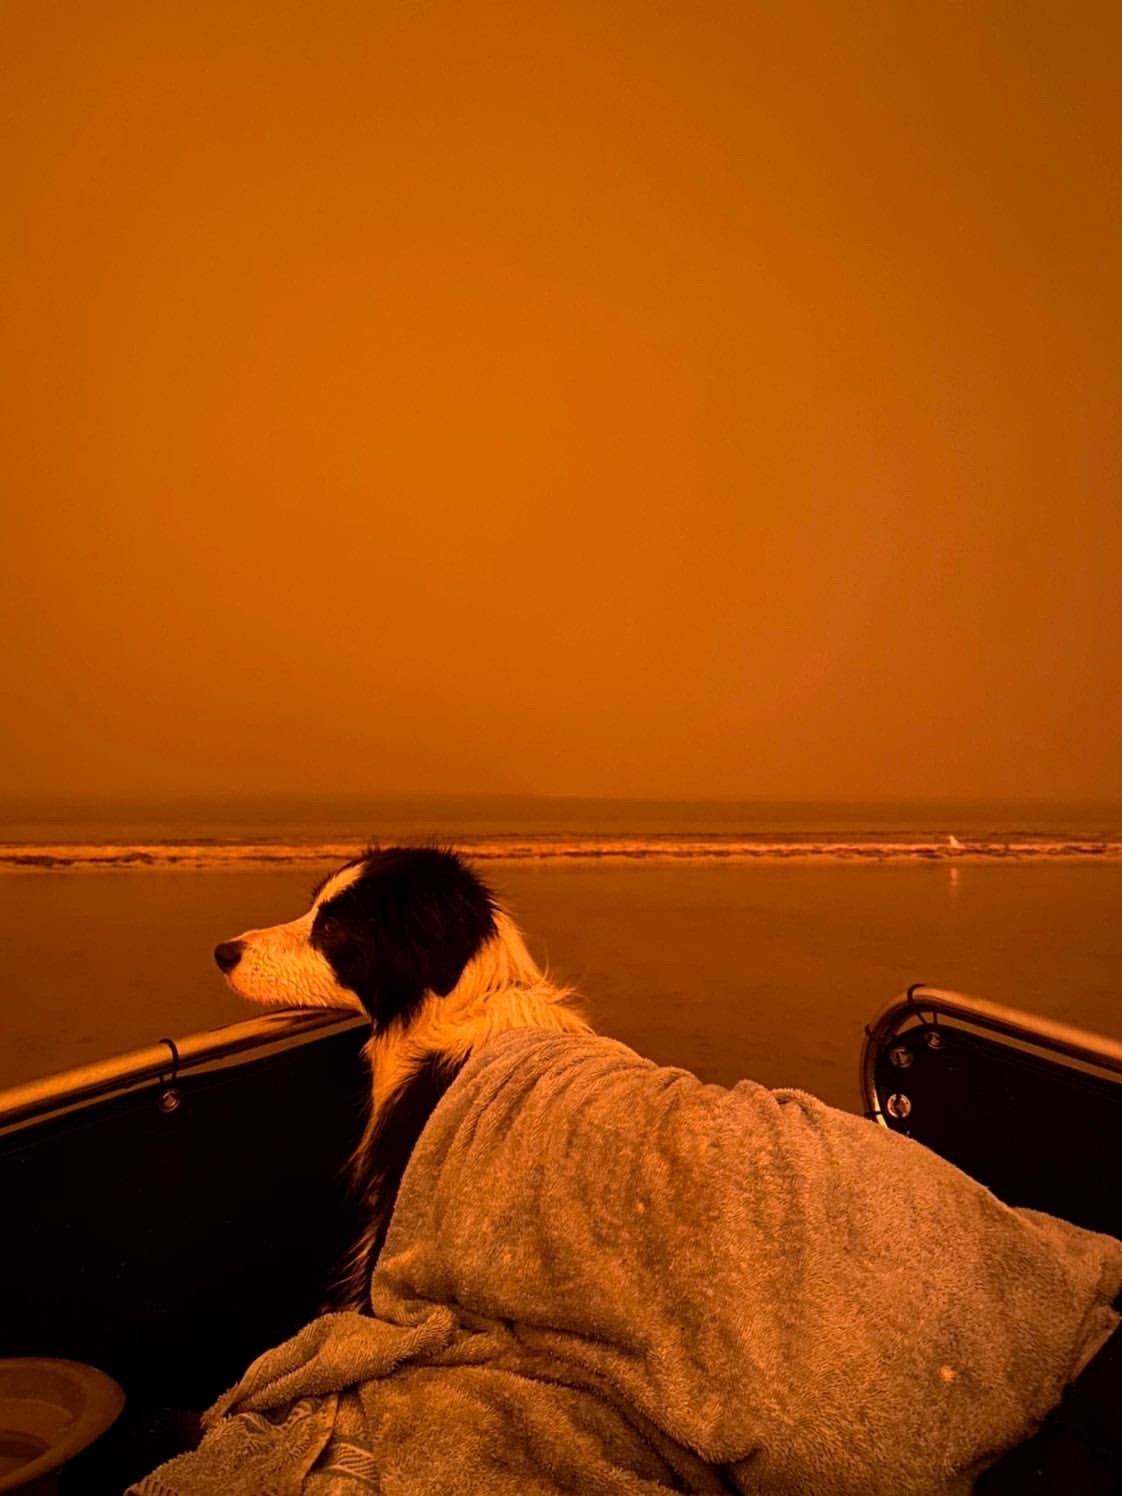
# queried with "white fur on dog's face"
point(280, 967)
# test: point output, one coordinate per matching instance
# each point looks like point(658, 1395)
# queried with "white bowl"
point(50, 1410)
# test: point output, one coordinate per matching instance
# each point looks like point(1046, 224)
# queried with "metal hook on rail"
point(169, 1096)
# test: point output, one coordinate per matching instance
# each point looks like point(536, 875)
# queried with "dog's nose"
point(228, 954)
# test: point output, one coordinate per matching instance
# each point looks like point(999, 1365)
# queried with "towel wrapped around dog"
point(606, 1276)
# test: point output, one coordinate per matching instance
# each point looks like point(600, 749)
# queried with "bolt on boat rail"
point(161, 1063)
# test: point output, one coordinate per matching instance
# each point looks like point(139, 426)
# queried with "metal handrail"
point(1046, 1034)
point(156, 1062)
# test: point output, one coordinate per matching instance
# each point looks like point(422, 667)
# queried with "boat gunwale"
point(1047, 1036)
point(161, 1063)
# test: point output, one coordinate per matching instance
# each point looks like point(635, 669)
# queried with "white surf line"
point(141, 856)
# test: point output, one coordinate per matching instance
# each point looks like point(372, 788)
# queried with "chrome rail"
point(157, 1062)
point(1044, 1035)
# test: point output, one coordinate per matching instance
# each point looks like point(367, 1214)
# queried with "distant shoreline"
point(249, 855)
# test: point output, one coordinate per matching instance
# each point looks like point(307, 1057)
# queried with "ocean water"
point(731, 939)
point(281, 833)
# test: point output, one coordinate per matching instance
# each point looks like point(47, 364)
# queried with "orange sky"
point(597, 398)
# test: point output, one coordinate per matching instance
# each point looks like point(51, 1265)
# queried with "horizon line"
point(319, 797)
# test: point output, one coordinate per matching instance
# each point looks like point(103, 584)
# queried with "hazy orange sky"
point(595, 398)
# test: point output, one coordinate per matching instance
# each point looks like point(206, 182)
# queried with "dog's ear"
point(428, 929)
point(409, 925)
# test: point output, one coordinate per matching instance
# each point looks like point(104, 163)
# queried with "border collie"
point(414, 939)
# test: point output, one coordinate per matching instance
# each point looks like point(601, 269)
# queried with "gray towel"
point(605, 1276)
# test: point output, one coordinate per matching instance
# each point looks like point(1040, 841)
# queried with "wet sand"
point(730, 970)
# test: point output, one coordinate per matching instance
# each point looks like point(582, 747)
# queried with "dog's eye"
point(328, 927)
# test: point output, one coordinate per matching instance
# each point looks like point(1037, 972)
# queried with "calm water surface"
point(731, 970)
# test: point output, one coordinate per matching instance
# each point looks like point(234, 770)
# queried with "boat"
point(173, 1212)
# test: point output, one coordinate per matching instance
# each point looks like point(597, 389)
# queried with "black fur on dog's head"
point(408, 924)
point(382, 932)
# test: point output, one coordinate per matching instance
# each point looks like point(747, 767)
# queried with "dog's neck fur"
point(411, 1066)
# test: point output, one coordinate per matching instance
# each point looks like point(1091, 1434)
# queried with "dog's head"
point(382, 932)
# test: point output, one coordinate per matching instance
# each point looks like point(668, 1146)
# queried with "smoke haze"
point(633, 399)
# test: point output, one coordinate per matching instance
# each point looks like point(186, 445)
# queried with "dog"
point(414, 939)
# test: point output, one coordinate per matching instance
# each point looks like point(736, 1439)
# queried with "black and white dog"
point(414, 939)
